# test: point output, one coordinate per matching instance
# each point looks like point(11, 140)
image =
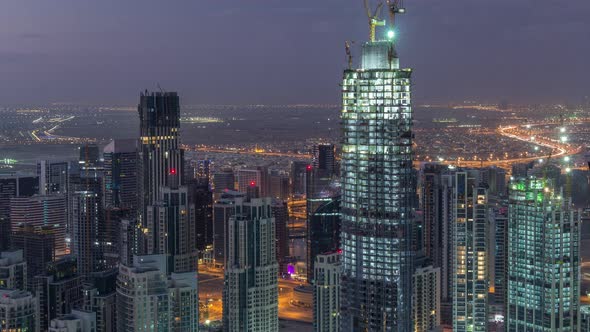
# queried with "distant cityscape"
point(373, 215)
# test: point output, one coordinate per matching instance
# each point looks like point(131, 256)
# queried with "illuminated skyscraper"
point(377, 191)
point(543, 259)
point(120, 164)
point(470, 256)
point(160, 154)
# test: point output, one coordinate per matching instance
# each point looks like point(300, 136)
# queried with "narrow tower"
point(377, 188)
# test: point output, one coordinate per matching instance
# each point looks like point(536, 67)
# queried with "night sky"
point(286, 51)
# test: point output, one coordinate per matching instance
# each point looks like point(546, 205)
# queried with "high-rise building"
point(160, 153)
point(585, 318)
point(53, 177)
point(280, 211)
point(121, 159)
point(59, 290)
point(130, 241)
point(377, 192)
point(88, 236)
point(278, 185)
point(223, 180)
point(41, 212)
point(543, 258)
point(171, 229)
point(76, 321)
point(38, 248)
point(99, 296)
point(258, 177)
point(298, 176)
point(142, 295)
point(426, 299)
point(202, 197)
point(324, 158)
point(250, 292)
point(323, 228)
point(148, 297)
point(223, 209)
point(202, 170)
point(13, 186)
point(431, 205)
point(470, 253)
point(13, 270)
point(497, 258)
point(18, 311)
point(326, 292)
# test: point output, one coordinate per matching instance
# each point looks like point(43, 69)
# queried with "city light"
point(390, 34)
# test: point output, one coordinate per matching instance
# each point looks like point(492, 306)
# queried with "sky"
point(286, 52)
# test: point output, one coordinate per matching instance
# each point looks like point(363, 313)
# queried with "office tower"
point(377, 192)
point(110, 235)
point(254, 177)
point(498, 259)
point(543, 258)
point(18, 311)
point(280, 211)
point(326, 292)
point(324, 158)
point(495, 178)
point(202, 197)
point(223, 209)
point(470, 256)
point(585, 318)
point(250, 292)
point(323, 228)
point(426, 299)
point(59, 290)
point(100, 297)
point(38, 248)
point(89, 155)
point(278, 185)
point(76, 321)
point(171, 229)
point(298, 174)
point(13, 270)
point(223, 180)
point(121, 159)
point(53, 177)
point(160, 154)
point(13, 186)
point(41, 212)
point(147, 297)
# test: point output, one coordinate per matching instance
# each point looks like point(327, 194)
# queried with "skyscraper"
point(41, 212)
point(121, 165)
point(377, 191)
point(543, 258)
point(160, 154)
point(426, 299)
point(53, 177)
point(223, 180)
point(223, 209)
point(99, 296)
point(280, 211)
point(13, 186)
point(470, 256)
point(324, 158)
point(88, 236)
point(202, 197)
point(13, 270)
point(38, 248)
point(323, 228)
point(171, 229)
point(250, 291)
point(326, 292)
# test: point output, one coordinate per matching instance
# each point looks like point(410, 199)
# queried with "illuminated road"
point(210, 291)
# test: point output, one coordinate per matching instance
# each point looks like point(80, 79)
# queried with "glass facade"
point(377, 193)
point(543, 259)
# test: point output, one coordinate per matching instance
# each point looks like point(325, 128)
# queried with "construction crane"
point(347, 45)
point(395, 7)
point(374, 20)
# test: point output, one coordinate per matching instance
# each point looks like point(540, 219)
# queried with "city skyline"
point(80, 51)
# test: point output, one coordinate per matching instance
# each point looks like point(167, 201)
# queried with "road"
point(210, 294)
